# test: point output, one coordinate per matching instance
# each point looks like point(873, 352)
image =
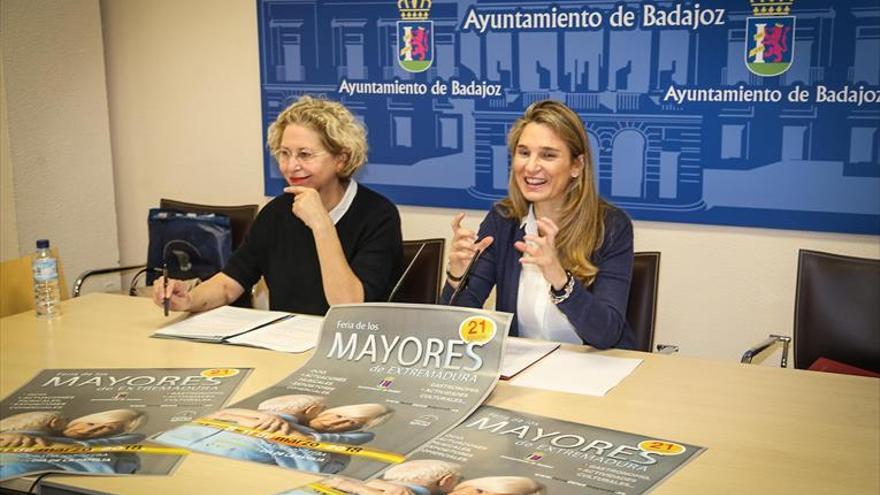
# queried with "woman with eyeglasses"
point(560, 256)
point(326, 240)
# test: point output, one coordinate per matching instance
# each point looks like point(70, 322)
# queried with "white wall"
point(183, 79)
point(184, 90)
point(8, 229)
point(57, 162)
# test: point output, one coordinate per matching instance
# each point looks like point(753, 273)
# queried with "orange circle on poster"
point(477, 330)
point(219, 372)
point(661, 447)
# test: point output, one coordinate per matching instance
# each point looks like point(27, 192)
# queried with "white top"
point(345, 203)
point(538, 317)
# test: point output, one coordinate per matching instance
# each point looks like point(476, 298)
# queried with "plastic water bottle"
point(47, 297)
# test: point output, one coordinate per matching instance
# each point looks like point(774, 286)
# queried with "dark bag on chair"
point(193, 245)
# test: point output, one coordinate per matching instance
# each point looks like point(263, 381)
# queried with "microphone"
point(465, 277)
point(412, 262)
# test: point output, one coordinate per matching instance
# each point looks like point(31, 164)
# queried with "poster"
point(384, 380)
point(97, 421)
point(501, 451)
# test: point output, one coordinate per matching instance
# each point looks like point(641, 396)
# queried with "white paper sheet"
point(577, 373)
point(219, 323)
point(521, 353)
point(296, 334)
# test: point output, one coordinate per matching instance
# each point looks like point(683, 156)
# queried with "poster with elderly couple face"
point(384, 380)
point(501, 452)
point(96, 421)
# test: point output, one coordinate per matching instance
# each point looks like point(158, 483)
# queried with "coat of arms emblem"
point(415, 35)
point(769, 46)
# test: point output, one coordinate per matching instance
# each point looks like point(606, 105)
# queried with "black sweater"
point(281, 248)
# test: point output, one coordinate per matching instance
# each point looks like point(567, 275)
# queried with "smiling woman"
point(326, 240)
point(560, 256)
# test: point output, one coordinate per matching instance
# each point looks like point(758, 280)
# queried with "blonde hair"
point(341, 133)
point(132, 419)
point(581, 221)
point(372, 414)
point(508, 485)
point(33, 421)
point(422, 471)
point(292, 404)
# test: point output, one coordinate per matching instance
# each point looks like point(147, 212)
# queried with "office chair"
point(240, 219)
point(641, 310)
point(836, 312)
point(422, 272)
point(17, 284)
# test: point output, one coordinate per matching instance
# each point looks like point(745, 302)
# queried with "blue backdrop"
point(759, 113)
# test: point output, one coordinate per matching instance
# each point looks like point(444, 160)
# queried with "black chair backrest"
point(641, 310)
point(837, 310)
point(240, 220)
point(240, 217)
point(422, 283)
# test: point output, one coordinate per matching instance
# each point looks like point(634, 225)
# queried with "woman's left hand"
point(540, 250)
point(269, 423)
point(307, 206)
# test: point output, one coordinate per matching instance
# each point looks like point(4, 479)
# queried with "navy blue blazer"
point(598, 312)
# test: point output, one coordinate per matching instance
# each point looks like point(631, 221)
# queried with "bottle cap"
point(43, 244)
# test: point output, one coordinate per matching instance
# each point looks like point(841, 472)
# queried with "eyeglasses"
point(301, 157)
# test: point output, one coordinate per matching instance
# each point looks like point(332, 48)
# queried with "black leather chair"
point(422, 272)
point(836, 312)
point(641, 310)
point(240, 219)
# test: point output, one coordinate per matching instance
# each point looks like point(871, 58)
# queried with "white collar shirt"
point(538, 317)
point(345, 203)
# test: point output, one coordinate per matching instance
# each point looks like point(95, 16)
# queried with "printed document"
point(577, 373)
point(220, 323)
point(298, 333)
point(522, 353)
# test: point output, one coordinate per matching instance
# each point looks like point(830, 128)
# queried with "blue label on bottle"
point(45, 270)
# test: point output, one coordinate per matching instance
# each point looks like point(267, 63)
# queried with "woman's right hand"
point(15, 439)
point(464, 247)
point(177, 292)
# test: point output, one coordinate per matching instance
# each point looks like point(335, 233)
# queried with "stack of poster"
point(96, 421)
point(384, 380)
point(502, 451)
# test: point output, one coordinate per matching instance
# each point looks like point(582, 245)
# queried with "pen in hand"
point(166, 301)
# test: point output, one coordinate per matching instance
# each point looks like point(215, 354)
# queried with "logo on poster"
point(386, 382)
point(535, 456)
point(415, 35)
point(424, 420)
point(769, 45)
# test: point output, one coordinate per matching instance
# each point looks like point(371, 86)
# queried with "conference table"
point(766, 430)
